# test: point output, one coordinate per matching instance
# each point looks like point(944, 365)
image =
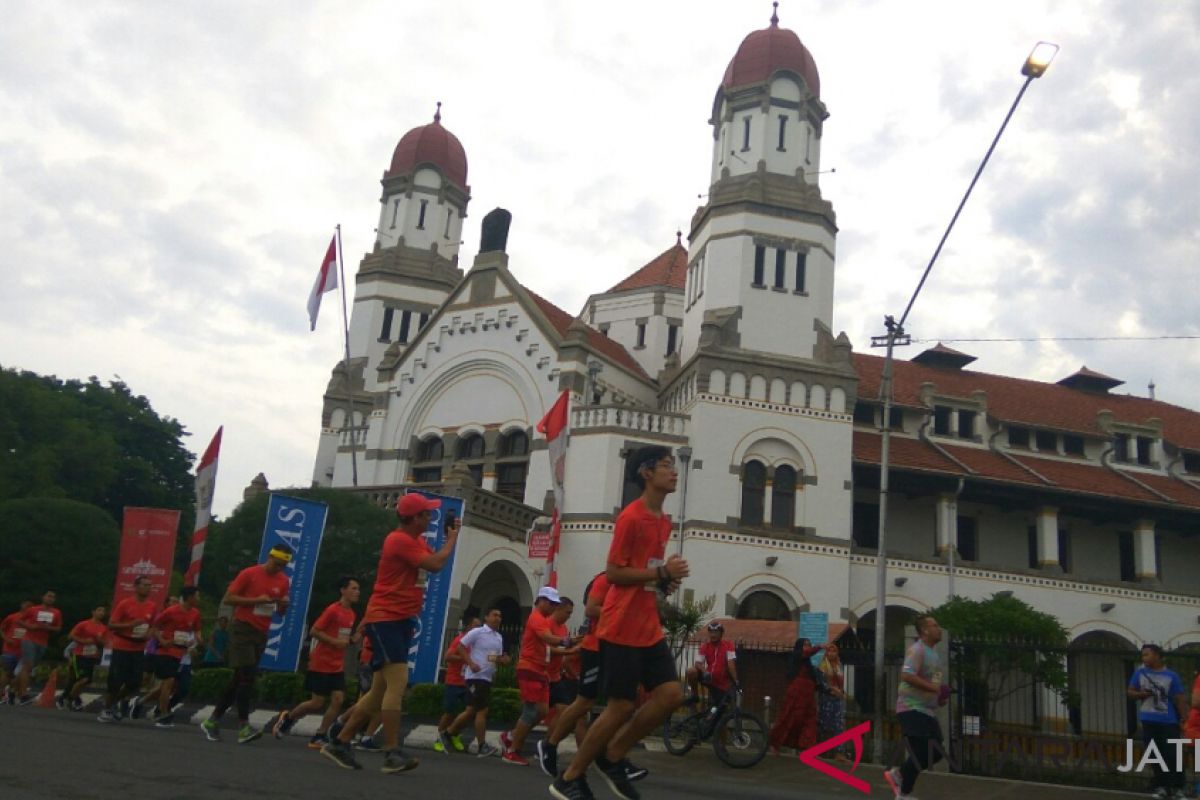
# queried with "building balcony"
point(639, 422)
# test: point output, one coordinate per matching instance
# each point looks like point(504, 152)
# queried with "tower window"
point(783, 498)
point(604, 329)
point(966, 424)
point(801, 272)
point(941, 420)
point(746, 133)
point(641, 334)
point(395, 210)
point(760, 258)
point(780, 268)
point(1144, 448)
point(754, 489)
point(1047, 441)
point(807, 145)
point(968, 539)
point(672, 333)
point(1072, 445)
point(421, 322)
point(1121, 448)
point(421, 214)
point(405, 321)
point(449, 217)
point(782, 130)
point(385, 334)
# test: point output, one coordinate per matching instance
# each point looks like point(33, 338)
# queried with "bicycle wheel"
point(681, 731)
point(740, 739)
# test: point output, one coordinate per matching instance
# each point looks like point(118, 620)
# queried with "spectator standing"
point(1162, 706)
point(797, 723)
point(831, 705)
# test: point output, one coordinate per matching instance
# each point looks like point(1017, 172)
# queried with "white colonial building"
point(1081, 502)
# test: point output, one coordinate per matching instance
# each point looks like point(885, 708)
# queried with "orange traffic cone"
point(46, 698)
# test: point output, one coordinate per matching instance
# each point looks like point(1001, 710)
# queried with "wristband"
point(662, 572)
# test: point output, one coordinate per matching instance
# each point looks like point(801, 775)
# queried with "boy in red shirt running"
point(129, 626)
point(632, 647)
point(39, 622)
point(88, 637)
point(12, 632)
point(391, 624)
point(177, 630)
point(257, 594)
point(326, 675)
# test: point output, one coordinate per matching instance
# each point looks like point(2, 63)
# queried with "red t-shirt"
point(630, 615)
point(1191, 727)
point(12, 628)
point(598, 591)
point(365, 653)
point(255, 582)
point(554, 668)
point(399, 583)
point(94, 632)
point(179, 626)
point(454, 669)
point(132, 610)
point(715, 664)
point(43, 615)
point(337, 621)
point(535, 654)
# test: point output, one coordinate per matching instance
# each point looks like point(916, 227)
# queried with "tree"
point(354, 531)
point(1004, 645)
point(683, 620)
point(55, 543)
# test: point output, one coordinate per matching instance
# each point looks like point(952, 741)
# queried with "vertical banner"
point(814, 626)
point(426, 652)
point(299, 524)
point(206, 484)
point(147, 548)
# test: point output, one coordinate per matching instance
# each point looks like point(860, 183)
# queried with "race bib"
point(344, 634)
point(139, 630)
point(492, 658)
point(45, 617)
point(18, 633)
point(264, 609)
point(89, 650)
point(182, 638)
point(653, 563)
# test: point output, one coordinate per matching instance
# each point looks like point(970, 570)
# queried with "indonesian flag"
point(326, 282)
point(556, 426)
point(206, 482)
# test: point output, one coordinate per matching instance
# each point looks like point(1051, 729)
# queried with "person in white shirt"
point(481, 649)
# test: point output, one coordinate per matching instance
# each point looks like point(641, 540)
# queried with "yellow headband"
point(282, 555)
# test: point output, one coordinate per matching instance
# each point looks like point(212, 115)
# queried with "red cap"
point(412, 504)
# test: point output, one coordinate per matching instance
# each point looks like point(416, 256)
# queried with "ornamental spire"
point(775, 14)
point(437, 115)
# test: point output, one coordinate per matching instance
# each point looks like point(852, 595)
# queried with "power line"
point(1064, 339)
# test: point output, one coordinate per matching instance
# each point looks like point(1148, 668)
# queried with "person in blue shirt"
point(1162, 705)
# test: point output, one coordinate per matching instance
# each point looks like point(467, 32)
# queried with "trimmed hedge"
point(425, 699)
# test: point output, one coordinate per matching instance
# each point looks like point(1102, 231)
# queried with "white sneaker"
point(892, 776)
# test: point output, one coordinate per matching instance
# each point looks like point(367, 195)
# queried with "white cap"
point(548, 593)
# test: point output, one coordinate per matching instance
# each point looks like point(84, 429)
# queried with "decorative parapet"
point(629, 420)
point(486, 510)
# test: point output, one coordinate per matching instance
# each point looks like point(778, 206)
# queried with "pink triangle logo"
point(810, 757)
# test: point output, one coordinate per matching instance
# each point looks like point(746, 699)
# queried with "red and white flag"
point(556, 425)
point(206, 483)
point(326, 282)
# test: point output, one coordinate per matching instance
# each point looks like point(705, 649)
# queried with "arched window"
point(427, 466)
point(754, 489)
point(783, 498)
point(763, 605)
point(512, 465)
point(470, 449)
point(515, 443)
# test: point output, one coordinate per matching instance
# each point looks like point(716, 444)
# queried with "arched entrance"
point(1097, 661)
point(502, 585)
point(763, 604)
point(861, 659)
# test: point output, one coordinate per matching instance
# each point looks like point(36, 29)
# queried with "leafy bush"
point(425, 700)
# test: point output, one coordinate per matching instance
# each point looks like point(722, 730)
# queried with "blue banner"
point(425, 655)
point(814, 626)
point(299, 524)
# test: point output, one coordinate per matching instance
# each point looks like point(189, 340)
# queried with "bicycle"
point(739, 738)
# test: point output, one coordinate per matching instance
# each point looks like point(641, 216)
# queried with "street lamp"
point(1034, 67)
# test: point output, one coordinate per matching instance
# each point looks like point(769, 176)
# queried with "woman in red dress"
point(797, 723)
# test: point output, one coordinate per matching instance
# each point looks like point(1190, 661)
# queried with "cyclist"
point(716, 667)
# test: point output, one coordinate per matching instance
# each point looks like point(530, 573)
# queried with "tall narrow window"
point(760, 262)
point(385, 333)
point(428, 463)
point(807, 145)
point(449, 216)
point(801, 272)
point(405, 321)
point(968, 539)
point(782, 130)
point(1121, 448)
point(421, 322)
point(700, 278)
point(746, 133)
point(1144, 449)
point(421, 214)
point(1128, 565)
point(1064, 549)
point(672, 334)
point(754, 489)
point(395, 210)
point(1034, 557)
point(780, 267)
point(865, 526)
point(641, 334)
point(470, 450)
point(783, 498)
point(941, 420)
point(512, 465)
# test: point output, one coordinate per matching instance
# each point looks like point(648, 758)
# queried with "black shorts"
point(564, 692)
point(479, 694)
point(164, 666)
point(391, 640)
point(324, 683)
point(625, 668)
point(591, 674)
point(83, 667)
point(125, 669)
point(920, 725)
point(454, 699)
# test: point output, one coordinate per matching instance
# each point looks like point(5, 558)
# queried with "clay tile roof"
point(431, 144)
point(773, 634)
point(667, 269)
point(1090, 380)
point(765, 52)
point(941, 356)
point(613, 351)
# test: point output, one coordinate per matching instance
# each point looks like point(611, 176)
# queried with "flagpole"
point(346, 342)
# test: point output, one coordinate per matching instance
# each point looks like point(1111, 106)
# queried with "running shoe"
point(457, 741)
point(212, 731)
point(107, 715)
point(152, 714)
point(892, 776)
point(618, 781)
point(368, 745)
point(505, 741)
point(280, 725)
point(486, 750)
point(178, 704)
point(165, 721)
point(577, 789)
point(547, 757)
point(61, 704)
point(516, 759)
point(248, 734)
point(26, 699)
point(135, 707)
point(443, 743)
point(77, 704)
point(633, 771)
point(340, 754)
point(396, 761)
point(318, 741)
point(335, 730)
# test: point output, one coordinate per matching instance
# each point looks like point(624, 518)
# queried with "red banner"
point(147, 548)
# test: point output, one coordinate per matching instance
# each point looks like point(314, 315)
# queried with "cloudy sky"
point(170, 174)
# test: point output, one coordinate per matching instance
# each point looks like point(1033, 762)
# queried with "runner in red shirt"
point(326, 674)
point(12, 631)
point(177, 630)
point(88, 638)
point(39, 622)
point(539, 644)
point(257, 594)
point(391, 623)
point(632, 646)
point(716, 666)
point(454, 696)
point(129, 629)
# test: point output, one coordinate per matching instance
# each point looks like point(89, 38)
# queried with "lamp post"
point(1035, 66)
point(684, 455)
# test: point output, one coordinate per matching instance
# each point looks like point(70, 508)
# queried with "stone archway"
point(1099, 664)
point(502, 585)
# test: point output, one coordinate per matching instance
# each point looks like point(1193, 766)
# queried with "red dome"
point(764, 52)
point(431, 144)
